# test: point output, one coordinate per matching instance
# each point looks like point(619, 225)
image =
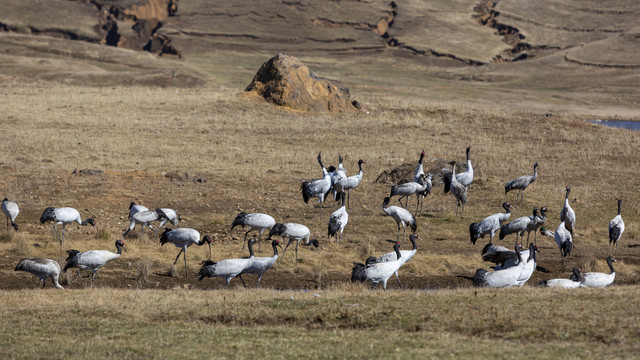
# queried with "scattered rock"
point(86, 172)
point(284, 80)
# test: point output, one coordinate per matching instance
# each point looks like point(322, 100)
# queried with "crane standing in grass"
point(459, 191)
point(407, 189)
point(564, 241)
point(145, 218)
point(228, 268)
point(260, 265)
point(489, 225)
point(337, 222)
point(92, 260)
point(401, 216)
point(353, 181)
point(64, 216)
point(317, 188)
point(465, 178)
point(256, 221)
point(406, 254)
point(10, 210)
point(567, 214)
point(295, 232)
point(518, 226)
point(380, 272)
point(616, 228)
point(42, 268)
point(183, 238)
point(521, 184)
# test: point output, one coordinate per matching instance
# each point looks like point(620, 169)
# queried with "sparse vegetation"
point(252, 156)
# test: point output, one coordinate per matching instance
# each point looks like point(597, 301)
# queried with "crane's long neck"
point(384, 207)
point(619, 207)
point(413, 242)
point(469, 167)
point(610, 263)
point(275, 250)
point(397, 250)
point(251, 254)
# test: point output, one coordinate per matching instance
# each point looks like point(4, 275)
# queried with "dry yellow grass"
point(252, 157)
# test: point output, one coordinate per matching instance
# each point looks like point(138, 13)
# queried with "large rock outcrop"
point(286, 81)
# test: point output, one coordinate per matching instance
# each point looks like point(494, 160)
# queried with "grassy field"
point(153, 143)
point(342, 322)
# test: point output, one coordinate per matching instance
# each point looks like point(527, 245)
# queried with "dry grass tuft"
point(144, 269)
point(7, 236)
point(20, 246)
point(103, 234)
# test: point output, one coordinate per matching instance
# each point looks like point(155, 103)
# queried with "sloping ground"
point(532, 54)
point(68, 19)
point(77, 62)
point(445, 28)
point(289, 25)
point(615, 51)
point(563, 25)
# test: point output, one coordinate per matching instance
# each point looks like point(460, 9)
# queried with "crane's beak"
point(125, 248)
point(208, 243)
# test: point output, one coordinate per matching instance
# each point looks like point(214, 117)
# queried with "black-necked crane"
point(380, 272)
point(503, 257)
point(145, 218)
point(529, 267)
point(521, 184)
point(575, 281)
point(317, 188)
point(537, 223)
point(489, 225)
point(42, 268)
point(92, 260)
point(401, 216)
point(64, 216)
point(183, 238)
point(407, 189)
point(353, 181)
point(458, 190)
point(357, 272)
point(506, 277)
point(339, 180)
point(616, 228)
point(228, 268)
point(135, 208)
point(295, 232)
point(337, 222)
point(567, 214)
point(564, 241)
point(518, 226)
point(419, 169)
point(406, 254)
point(260, 265)
point(172, 216)
point(465, 178)
point(255, 221)
point(11, 211)
point(599, 280)
point(426, 191)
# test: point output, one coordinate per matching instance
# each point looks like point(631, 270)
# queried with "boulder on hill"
point(284, 80)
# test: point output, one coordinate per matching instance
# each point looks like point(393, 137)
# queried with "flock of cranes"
point(512, 267)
